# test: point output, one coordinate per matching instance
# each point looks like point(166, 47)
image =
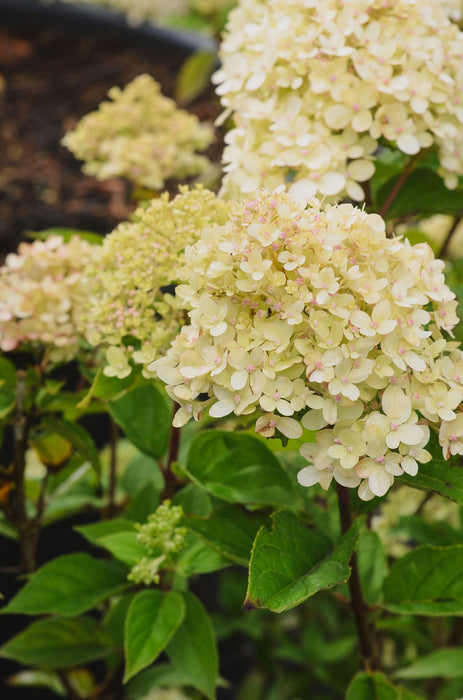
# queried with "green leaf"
point(292, 562)
point(144, 415)
point(114, 620)
point(141, 470)
point(230, 530)
point(238, 468)
point(375, 686)
point(8, 373)
point(152, 619)
point(58, 643)
point(32, 678)
point(77, 436)
point(440, 476)
point(67, 234)
point(427, 581)
point(7, 400)
point(372, 562)
point(443, 663)
point(423, 193)
point(95, 531)
point(198, 558)
point(160, 675)
point(194, 500)
point(194, 76)
point(106, 388)
point(193, 648)
point(69, 585)
point(124, 546)
point(145, 502)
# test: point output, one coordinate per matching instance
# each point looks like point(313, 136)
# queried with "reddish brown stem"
point(357, 601)
point(398, 186)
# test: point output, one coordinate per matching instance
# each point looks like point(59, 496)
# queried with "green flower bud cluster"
point(162, 536)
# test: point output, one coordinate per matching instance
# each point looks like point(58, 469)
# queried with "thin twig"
point(170, 482)
point(398, 186)
point(446, 244)
point(358, 605)
point(112, 484)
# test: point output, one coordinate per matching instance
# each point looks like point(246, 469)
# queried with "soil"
point(49, 78)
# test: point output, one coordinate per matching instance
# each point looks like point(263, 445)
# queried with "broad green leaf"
point(7, 399)
point(375, 686)
point(79, 438)
point(439, 475)
point(194, 76)
point(53, 450)
point(443, 663)
point(198, 558)
point(144, 415)
point(194, 500)
point(427, 581)
point(114, 620)
point(160, 675)
point(238, 468)
point(152, 619)
point(106, 388)
point(423, 193)
point(124, 546)
point(141, 470)
point(145, 502)
point(67, 234)
point(230, 530)
point(292, 562)
point(95, 531)
point(59, 643)
point(7, 373)
point(32, 678)
point(69, 585)
point(193, 648)
point(372, 562)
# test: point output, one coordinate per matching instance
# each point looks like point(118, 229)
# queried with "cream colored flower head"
point(131, 310)
point(42, 297)
point(141, 135)
point(315, 319)
point(316, 86)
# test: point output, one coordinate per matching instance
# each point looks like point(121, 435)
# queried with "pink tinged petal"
point(338, 116)
point(218, 329)
point(396, 404)
point(331, 184)
point(409, 465)
point(409, 144)
point(446, 414)
point(364, 492)
point(222, 408)
point(362, 121)
point(238, 380)
point(414, 361)
point(168, 375)
point(380, 481)
point(314, 420)
point(308, 476)
point(289, 427)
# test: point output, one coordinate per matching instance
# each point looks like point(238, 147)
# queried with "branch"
point(398, 185)
point(358, 605)
point(446, 244)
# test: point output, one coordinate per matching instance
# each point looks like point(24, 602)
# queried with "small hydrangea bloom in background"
point(129, 311)
point(317, 320)
point(42, 296)
point(141, 135)
point(315, 86)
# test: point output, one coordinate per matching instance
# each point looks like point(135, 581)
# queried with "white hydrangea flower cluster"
point(454, 9)
point(129, 312)
point(42, 296)
point(141, 135)
point(317, 320)
point(316, 86)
